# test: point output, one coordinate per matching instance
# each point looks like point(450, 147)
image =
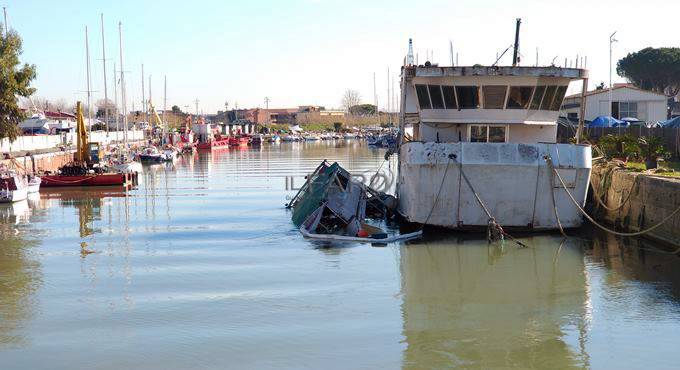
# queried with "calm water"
point(201, 268)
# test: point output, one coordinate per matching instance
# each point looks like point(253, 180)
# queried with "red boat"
point(85, 169)
point(215, 143)
point(95, 179)
point(239, 141)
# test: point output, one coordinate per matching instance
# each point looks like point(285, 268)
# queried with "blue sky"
point(301, 52)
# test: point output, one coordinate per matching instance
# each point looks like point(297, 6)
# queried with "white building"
point(627, 101)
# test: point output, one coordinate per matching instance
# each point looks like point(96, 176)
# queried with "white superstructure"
point(496, 126)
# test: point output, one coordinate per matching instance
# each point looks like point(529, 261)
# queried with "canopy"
point(605, 121)
point(671, 123)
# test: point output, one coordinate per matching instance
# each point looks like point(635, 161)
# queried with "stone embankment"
point(637, 201)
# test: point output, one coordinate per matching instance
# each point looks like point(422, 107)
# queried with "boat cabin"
point(484, 104)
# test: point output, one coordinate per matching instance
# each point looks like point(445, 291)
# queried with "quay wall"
point(42, 142)
point(637, 201)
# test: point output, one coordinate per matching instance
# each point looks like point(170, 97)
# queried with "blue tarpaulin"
point(605, 121)
point(671, 123)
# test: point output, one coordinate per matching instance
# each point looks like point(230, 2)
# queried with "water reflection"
point(475, 306)
point(20, 270)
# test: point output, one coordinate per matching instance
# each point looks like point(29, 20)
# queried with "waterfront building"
point(628, 101)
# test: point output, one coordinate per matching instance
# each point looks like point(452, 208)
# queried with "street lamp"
point(612, 40)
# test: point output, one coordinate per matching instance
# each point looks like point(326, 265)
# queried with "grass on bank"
point(667, 169)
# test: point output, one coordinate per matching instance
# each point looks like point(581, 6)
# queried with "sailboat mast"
point(89, 106)
point(146, 118)
point(115, 96)
point(122, 83)
point(106, 94)
point(165, 103)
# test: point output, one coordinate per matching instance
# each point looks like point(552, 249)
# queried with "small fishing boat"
point(239, 141)
point(348, 136)
point(256, 139)
point(85, 169)
point(275, 139)
point(13, 187)
point(290, 138)
point(311, 138)
point(33, 184)
point(152, 154)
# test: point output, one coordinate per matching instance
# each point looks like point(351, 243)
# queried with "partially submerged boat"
point(152, 154)
point(483, 147)
point(332, 206)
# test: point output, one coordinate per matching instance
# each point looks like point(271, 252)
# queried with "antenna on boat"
point(409, 56)
point(515, 55)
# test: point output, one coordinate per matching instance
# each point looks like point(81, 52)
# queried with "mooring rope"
point(589, 218)
point(597, 195)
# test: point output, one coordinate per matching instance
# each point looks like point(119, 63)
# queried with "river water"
point(199, 267)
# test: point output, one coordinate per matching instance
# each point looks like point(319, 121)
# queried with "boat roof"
point(478, 70)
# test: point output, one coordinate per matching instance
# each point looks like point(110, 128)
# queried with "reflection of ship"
point(467, 305)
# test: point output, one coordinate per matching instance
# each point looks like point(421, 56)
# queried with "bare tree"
point(350, 99)
point(102, 105)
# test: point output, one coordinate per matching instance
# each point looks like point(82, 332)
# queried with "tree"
point(350, 99)
point(337, 126)
point(176, 110)
point(15, 81)
point(655, 69)
point(103, 105)
point(363, 110)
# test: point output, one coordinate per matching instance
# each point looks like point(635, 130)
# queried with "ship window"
point(468, 97)
point(520, 97)
point(478, 134)
point(494, 96)
point(538, 96)
point(423, 97)
point(488, 134)
point(449, 97)
point(436, 97)
point(496, 134)
point(548, 99)
point(559, 96)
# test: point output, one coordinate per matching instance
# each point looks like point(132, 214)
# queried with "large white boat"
point(487, 135)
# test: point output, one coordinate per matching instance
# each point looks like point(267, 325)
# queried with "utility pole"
point(612, 40)
point(4, 11)
point(536, 57)
point(266, 103)
point(106, 94)
point(196, 102)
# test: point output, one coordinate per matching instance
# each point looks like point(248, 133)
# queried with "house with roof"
point(628, 101)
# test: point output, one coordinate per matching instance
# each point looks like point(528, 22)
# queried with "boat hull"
point(11, 196)
point(512, 180)
point(106, 179)
point(213, 144)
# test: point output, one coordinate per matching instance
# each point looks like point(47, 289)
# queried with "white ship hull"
point(11, 196)
point(513, 180)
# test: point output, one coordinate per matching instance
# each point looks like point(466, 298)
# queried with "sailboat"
point(123, 161)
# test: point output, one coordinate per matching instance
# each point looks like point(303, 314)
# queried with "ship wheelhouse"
point(484, 104)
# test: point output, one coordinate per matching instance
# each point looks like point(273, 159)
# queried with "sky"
point(308, 52)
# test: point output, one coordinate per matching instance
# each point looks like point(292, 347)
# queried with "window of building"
point(494, 96)
point(449, 97)
point(538, 97)
point(488, 134)
point(559, 97)
point(423, 97)
point(548, 98)
point(519, 97)
point(628, 109)
point(468, 97)
point(572, 115)
point(436, 97)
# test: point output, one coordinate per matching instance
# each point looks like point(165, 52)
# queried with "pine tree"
point(15, 82)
